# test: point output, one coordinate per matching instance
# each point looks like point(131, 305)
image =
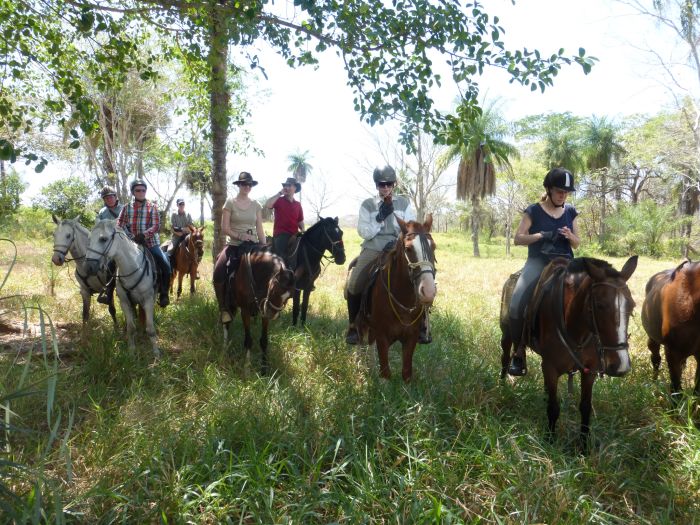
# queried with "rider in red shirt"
point(289, 216)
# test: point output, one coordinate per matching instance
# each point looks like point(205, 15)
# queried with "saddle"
point(545, 286)
point(373, 271)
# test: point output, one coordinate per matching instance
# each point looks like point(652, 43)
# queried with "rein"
point(574, 348)
point(266, 301)
point(314, 274)
point(144, 267)
point(393, 301)
point(63, 249)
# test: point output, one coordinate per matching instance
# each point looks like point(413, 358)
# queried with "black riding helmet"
point(385, 174)
point(137, 182)
point(559, 178)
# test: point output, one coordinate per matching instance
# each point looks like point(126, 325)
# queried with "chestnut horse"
point(577, 321)
point(324, 236)
point(404, 289)
point(671, 317)
point(260, 285)
point(187, 257)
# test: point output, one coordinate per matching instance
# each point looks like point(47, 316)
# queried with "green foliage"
point(640, 229)
point(11, 189)
point(67, 198)
point(28, 223)
point(562, 135)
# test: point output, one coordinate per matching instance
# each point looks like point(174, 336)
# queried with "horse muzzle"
point(92, 266)
point(58, 259)
point(621, 366)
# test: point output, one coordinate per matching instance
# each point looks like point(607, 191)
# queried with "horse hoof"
point(226, 317)
point(517, 367)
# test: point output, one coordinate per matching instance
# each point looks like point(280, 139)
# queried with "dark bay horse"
point(671, 317)
point(324, 236)
point(577, 321)
point(401, 294)
point(260, 285)
point(136, 275)
point(186, 258)
point(72, 237)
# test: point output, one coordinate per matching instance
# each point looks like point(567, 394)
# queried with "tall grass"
point(193, 438)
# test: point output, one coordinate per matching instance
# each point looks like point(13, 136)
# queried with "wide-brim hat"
point(245, 177)
point(292, 180)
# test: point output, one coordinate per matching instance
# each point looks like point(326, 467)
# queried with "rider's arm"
point(123, 220)
point(259, 226)
point(155, 221)
point(572, 234)
point(367, 225)
point(522, 235)
point(225, 223)
point(270, 203)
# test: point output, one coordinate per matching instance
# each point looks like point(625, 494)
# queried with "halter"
point(393, 301)
point(575, 348)
point(266, 301)
point(63, 249)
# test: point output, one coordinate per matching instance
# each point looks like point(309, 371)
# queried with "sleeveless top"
point(543, 222)
point(243, 221)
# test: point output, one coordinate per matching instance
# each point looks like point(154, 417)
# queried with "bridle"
point(144, 266)
point(266, 302)
point(63, 249)
point(426, 265)
point(574, 348)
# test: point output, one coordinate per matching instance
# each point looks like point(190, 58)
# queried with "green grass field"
point(193, 438)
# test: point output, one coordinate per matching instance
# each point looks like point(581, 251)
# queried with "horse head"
point(610, 305)
point(418, 247)
point(334, 237)
point(63, 238)
point(197, 240)
point(101, 246)
point(279, 289)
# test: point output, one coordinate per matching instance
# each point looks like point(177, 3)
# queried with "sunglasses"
point(246, 184)
point(286, 185)
point(385, 184)
point(139, 191)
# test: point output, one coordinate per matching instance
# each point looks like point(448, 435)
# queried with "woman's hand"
point(566, 232)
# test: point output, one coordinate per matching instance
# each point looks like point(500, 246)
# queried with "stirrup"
point(517, 366)
point(103, 298)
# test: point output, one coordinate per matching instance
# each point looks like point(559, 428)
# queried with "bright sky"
point(309, 109)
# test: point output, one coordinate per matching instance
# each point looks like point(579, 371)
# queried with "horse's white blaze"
point(622, 327)
point(625, 364)
point(426, 283)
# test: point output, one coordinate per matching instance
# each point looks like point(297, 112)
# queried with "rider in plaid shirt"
point(141, 221)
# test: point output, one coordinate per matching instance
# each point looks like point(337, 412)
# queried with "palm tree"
point(476, 137)
point(299, 167)
point(602, 148)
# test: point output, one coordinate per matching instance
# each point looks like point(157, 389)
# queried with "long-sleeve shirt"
point(377, 234)
point(141, 217)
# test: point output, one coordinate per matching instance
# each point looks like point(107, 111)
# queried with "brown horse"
point(671, 317)
point(187, 257)
point(260, 285)
point(402, 292)
point(577, 321)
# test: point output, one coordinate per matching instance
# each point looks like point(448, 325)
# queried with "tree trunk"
point(201, 209)
point(603, 191)
point(476, 207)
point(219, 118)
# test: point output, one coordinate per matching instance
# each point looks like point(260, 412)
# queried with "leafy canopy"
point(388, 48)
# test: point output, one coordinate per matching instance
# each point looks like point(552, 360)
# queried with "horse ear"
point(402, 225)
point(596, 273)
point(336, 220)
point(629, 267)
point(55, 219)
point(428, 224)
point(202, 228)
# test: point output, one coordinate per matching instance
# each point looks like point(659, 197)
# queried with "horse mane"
point(319, 223)
point(578, 265)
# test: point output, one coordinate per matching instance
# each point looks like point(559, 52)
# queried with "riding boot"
point(424, 336)
point(518, 365)
point(164, 285)
point(352, 337)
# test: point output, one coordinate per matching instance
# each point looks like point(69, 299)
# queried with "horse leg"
point(551, 380)
point(129, 316)
point(248, 340)
point(654, 347)
point(295, 306)
point(696, 389)
point(383, 354)
point(147, 308)
point(265, 365)
point(407, 349)
point(305, 305)
point(87, 298)
point(193, 278)
point(585, 405)
point(180, 277)
point(172, 278)
point(675, 371)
